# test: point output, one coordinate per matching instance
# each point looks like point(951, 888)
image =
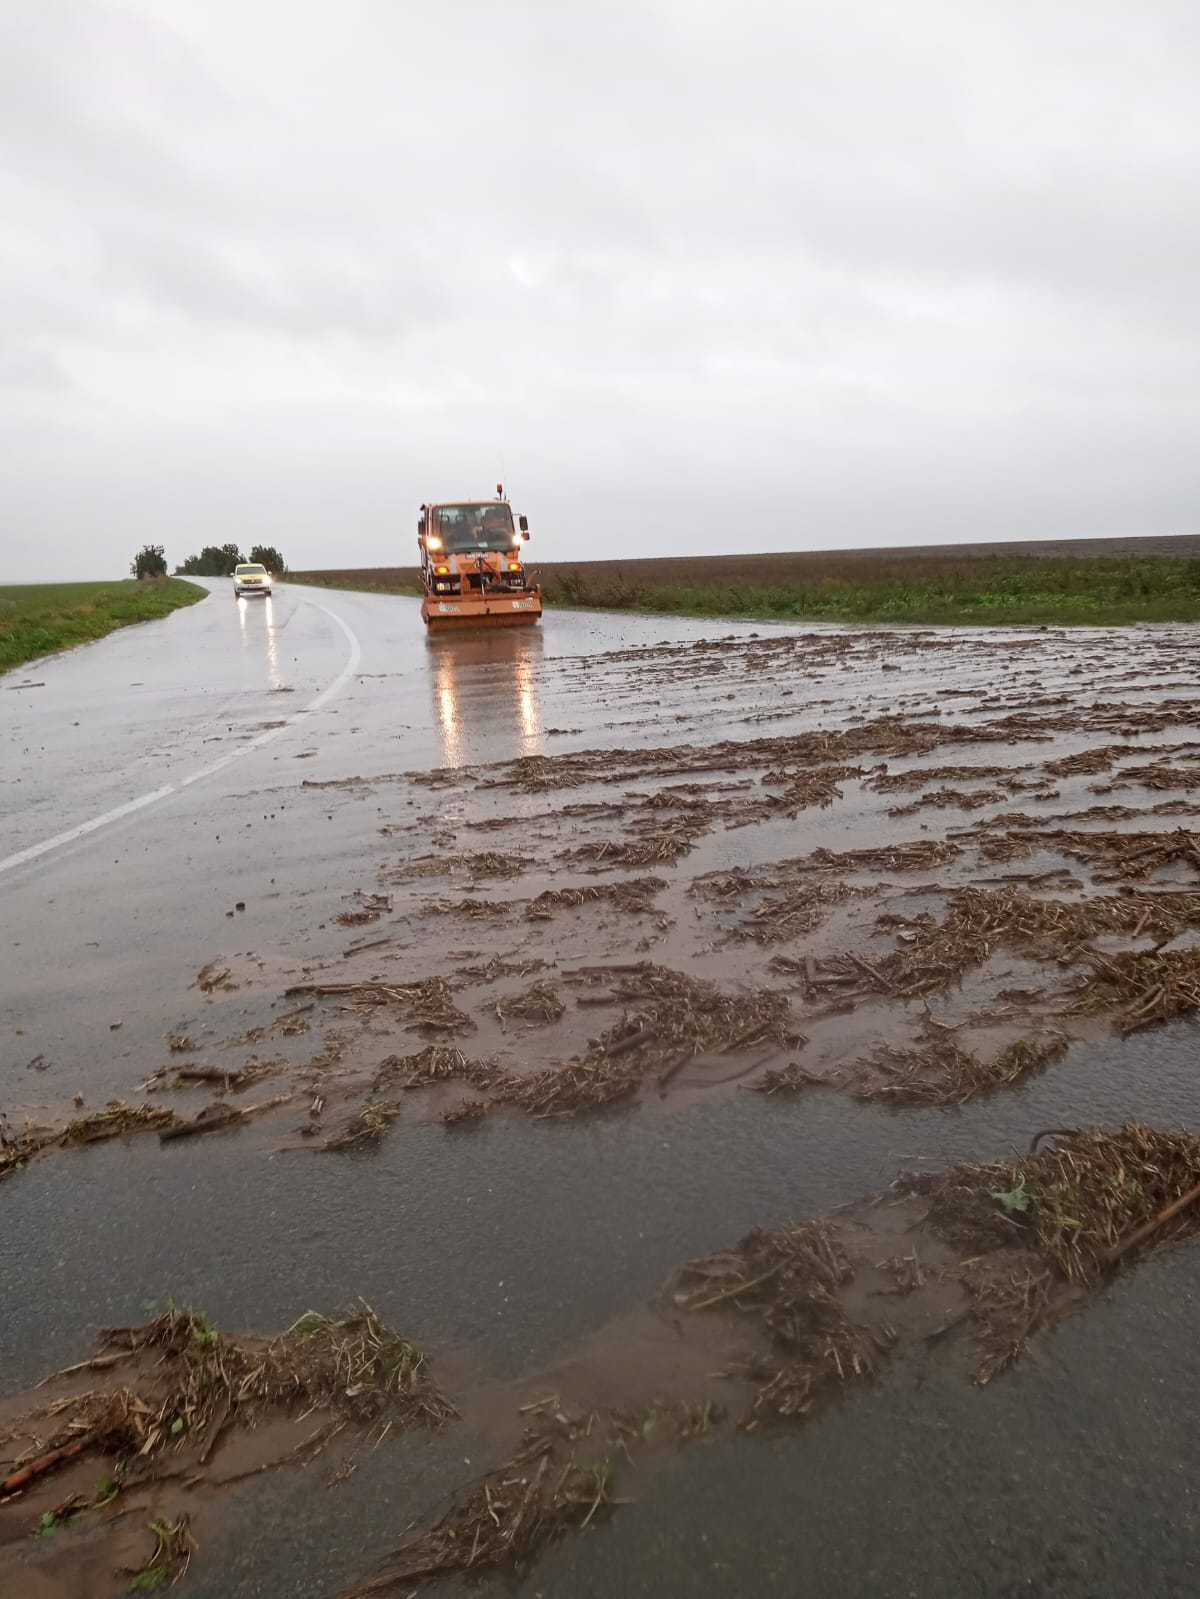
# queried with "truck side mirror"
point(523, 523)
point(421, 540)
point(525, 536)
point(420, 527)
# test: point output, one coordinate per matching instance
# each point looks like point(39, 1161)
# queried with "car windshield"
point(462, 528)
point(251, 571)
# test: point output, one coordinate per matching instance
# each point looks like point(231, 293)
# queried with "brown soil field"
point(1079, 580)
point(804, 565)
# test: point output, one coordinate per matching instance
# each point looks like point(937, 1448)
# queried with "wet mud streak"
point(965, 1265)
point(894, 871)
point(848, 867)
point(174, 1405)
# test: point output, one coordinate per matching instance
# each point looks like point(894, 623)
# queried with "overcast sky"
point(691, 276)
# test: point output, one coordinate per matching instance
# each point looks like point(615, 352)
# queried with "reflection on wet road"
point(260, 636)
point(485, 687)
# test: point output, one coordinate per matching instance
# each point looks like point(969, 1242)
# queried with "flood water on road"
point(502, 1249)
point(1065, 1478)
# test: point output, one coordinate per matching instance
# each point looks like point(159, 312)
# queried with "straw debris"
point(559, 1481)
point(1075, 1201)
point(788, 1081)
point(915, 856)
point(734, 884)
point(1032, 1232)
point(1157, 775)
point(886, 737)
point(942, 1073)
point(1144, 987)
point(499, 966)
point(213, 976)
point(472, 909)
point(231, 1080)
point(429, 1005)
point(934, 955)
point(671, 1013)
point(490, 863)
point(1086, 763)
point(114, 1121)
point(368, 908)
point(634, 895)
point(661, 848)
point(1058, 1219)
point(788, 1281)
point(366, 1129)
point(437, 1063)
point(539, 1004)
point(573, 1087)
point(1114, 857)
point(670, 1017)
point(950, 798)
point(885, 782)
point(801, 790)
point(779, 918)
point(176, 1383)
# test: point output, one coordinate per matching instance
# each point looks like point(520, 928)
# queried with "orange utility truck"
point(471, 566)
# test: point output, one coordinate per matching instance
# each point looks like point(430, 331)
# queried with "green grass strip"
point(41, 618)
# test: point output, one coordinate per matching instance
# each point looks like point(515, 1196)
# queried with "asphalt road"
point(152, 781)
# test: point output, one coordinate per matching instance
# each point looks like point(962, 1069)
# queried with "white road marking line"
point(315, 704)
point(323, 698)
point(32, 853)
point(347, 671)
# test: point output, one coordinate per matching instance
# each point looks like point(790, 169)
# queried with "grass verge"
point(41, 618)
point(947, 588)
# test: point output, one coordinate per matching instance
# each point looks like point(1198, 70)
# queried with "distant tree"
point(149, 562)
point(214, 560)
point(267, 555)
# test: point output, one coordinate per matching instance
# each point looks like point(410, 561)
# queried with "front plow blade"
point(471, 610)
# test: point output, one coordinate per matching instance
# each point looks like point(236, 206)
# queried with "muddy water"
point(519, 1240)
point(503, 1247)
point(511, 1240)
point(1075, 1478)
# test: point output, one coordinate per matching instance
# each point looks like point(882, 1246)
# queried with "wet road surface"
point(1074, 1477)
point(207, 722)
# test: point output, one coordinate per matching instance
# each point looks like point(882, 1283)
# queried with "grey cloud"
point(691, 275)
point(301, 291)
point(27, 365)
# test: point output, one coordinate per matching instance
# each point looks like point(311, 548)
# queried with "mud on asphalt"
point(914, 897)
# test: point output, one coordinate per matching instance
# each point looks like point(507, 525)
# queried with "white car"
point(250, 578)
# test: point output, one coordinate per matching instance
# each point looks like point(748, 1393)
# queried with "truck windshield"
point(462, 528)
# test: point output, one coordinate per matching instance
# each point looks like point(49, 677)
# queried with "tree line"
point(214, 560)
